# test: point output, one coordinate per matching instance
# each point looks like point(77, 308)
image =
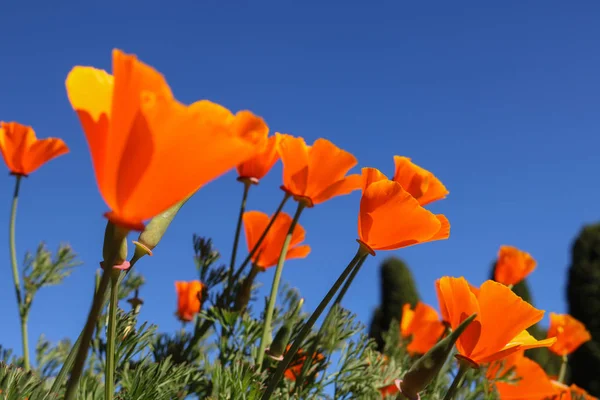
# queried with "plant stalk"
point(562, 374)
point(109, 374)
point(457, 382)
point(238, 229)
point(15, 270)
point(278, 374)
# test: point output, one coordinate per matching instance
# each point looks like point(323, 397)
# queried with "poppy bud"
point(154, 231)
point(426, 368)
point(243, 294)
point(280, 342)
point(115, 245)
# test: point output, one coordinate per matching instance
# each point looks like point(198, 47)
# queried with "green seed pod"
point(425, 370)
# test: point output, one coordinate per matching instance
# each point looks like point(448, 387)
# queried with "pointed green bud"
point(155, 230)
point(280, 342)
point(426, 368)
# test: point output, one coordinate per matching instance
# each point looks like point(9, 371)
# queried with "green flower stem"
point(337, 301)
point(562, 374)
point(275, 287)
point(97, 304)
point(15, 270)
point(262, 237)
point(457, 382)
point(278, 374)
point(109, 374)
point(238, 229)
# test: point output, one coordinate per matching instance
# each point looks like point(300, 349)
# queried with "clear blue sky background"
point(501, 100)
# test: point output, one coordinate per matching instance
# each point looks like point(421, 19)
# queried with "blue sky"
point(501, 101)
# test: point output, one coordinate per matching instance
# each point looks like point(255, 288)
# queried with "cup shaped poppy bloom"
point(500, 326)
point(314, 174)
point(528, 379)
point(570, 333)
point(391, 218)
point(189, 299)
point(268, 253)
point(423, 324)
point(150, 151)
point(513, 265)
point(419, 182)
point(255, 168)
point(23, 152)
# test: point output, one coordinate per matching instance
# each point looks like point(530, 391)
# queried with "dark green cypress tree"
point(397, 288)
point(583, 295)
point(544, 357)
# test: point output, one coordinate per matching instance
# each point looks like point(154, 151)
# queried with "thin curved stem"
point(278, 374)
point(109, 374)
point(562, 374)
point(238, 229)
point(338, 300)
point(457, 382)
point(275, 286)
point(15, 271)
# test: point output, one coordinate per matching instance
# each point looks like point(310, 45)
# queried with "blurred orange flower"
point(314, 174)
point(255, 168)
point(142, 140)
point(572, 392)
point(23, 153)
point(423, 324)
point(267, 255)
point(189, 299)
point(417, 181)
point(390, 390)
point(391, 218)
point(530, 380)
point(513, 265)
point(569, 332)
point(295, 368)
point(500, 326)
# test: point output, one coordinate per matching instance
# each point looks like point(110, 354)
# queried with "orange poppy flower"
point(530, 380)
point(390, 218)
point(267, 254)
point(513, 265)
point(295, 368)
point(569, 332)
point(143, 141)
point(314, 174)
point(572, 392)
point(500, 326)
point(23, 153)
point(390, 390)
point(423, 324)
point(419, 182)
point(255, 168)
point(189, 296)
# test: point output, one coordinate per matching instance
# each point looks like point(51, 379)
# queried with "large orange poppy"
point(569, 332)
point(423, 325)
point(314, 174)
point(255, 168)
point(513, 265)
point(189, 299)
point(23, 152)
point(417, 181)
point(391, 218)
point(267, 255)
point(149, 151)
point(500, 326)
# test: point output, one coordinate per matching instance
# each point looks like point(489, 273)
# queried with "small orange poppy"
point(530, 380)
point(500, 326)
point(390, 390)
point(419, 182)
point(423, 324)
point(314, 174)
point(569, 332)
point(23, 153)
point(267, 254)
point(295, 368)
point(255, 168)
point(513, 265)
point(189, 299)
point(142, 140)
point(390, 218)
